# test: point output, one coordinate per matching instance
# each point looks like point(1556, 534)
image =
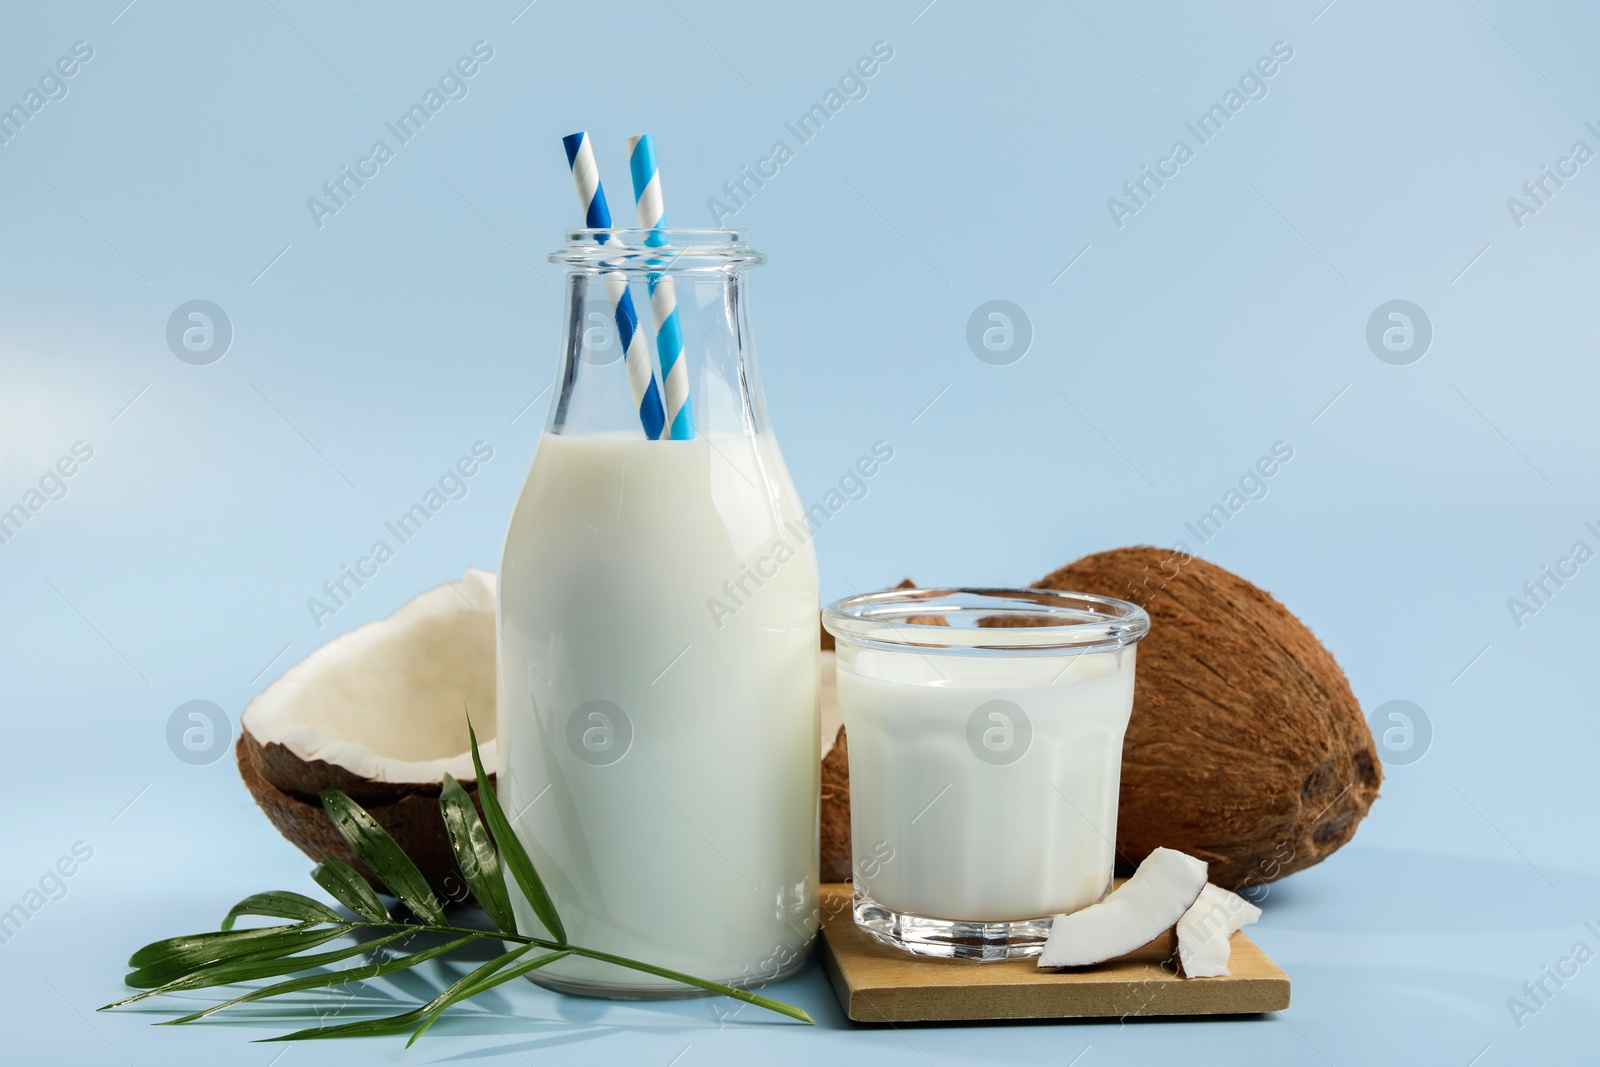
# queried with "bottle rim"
point(661, 251)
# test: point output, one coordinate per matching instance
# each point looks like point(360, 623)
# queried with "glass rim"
point(630, 250)
point(1072, 622)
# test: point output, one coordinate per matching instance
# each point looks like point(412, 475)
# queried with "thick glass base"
point(622, 990)
point(950, 939)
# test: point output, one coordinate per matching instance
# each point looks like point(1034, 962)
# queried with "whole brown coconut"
point(1246, 748)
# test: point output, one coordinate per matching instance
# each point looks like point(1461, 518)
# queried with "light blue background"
point(1228, 314)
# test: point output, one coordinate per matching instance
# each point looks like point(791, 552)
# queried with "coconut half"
point(381, 713)
point(1205, 931)
point(1134, 914)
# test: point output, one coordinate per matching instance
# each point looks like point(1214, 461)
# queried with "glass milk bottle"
point(658, 659)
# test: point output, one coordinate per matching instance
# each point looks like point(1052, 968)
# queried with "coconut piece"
point(380, 712)
point(1246, 746)
point(834, 832)
point(387, 702)
point(1205, 931)
point(1137, 912)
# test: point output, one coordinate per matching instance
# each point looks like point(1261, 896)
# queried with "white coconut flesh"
point(1132, 915)
point(1205, 931)
point(832, 718)
point(388, 701)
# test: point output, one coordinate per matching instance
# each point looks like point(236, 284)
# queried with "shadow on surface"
point(1382, 891)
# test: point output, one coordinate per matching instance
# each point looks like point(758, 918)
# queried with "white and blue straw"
point(597, 216)
point(663, 297)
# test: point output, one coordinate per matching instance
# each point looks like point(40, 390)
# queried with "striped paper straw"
point(597, 216)
point(663, 297)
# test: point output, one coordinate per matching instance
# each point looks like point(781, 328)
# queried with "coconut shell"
point(287, 790)
point(308, 778)
point(1246, 748)
point(835, 860)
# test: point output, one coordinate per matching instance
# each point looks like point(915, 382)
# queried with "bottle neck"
point(658, 353)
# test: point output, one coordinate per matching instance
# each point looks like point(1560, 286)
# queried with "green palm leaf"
point(282, 904)
point(475, 854)
point(516, 857)
point(484, 984)
point(238, 946)
point(700, 983)
point(382, 855)
point(227, 973)
point(344, 977)
point(345, 884)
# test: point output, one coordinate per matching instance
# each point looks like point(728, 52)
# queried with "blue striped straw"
point(663, 297)
point(597, 216)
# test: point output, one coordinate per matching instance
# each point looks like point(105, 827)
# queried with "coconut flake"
point(1205, 931)
point(1132, 915)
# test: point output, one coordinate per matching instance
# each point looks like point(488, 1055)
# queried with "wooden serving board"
point(879, 984)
